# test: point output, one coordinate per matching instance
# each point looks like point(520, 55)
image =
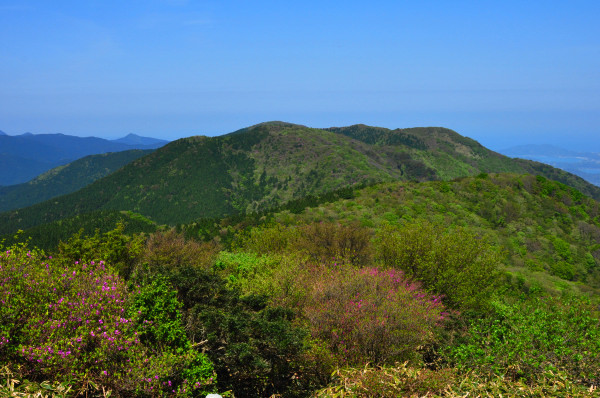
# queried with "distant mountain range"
point(584, 164)
point(25, 156)
point(136, 140)
point(65, 179)
point(267, 165)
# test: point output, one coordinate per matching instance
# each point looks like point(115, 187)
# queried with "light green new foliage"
point(527, 338)
point(247, 271)
point(456, 263)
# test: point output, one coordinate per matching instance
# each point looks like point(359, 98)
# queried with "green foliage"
point(157, 312)
point(530, 337)
point(49, 236)
point(246, 271)
point(507, 209)
point(157, 305)
point(318, 283)
point(268, 165)
point(320, 241)
point(381, 136)
point(458, 264)
point(271, 238)
point(167, 253)
point(113, 247)
point(254, 347)
point(74, 322)
point(325, 241)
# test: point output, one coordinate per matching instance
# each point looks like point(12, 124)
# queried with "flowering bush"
point(80, 322)
point(372, 315)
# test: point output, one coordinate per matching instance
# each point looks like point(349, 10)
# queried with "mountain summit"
point(266, 165)
point(134, 139)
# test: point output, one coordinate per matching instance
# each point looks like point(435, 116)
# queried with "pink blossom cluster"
point(73, 320)
point(372, 315)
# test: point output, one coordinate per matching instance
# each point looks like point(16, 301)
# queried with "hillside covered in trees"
point(395, 289)
point(267, 165)
point(440, 285)
point(65, 179)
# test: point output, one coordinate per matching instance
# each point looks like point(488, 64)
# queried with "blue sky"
point(502, 72)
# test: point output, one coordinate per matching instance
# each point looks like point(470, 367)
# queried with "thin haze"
point(504, 73)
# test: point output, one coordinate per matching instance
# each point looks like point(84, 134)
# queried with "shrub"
point(457, 264)
point(530, 337)
point(166, 252)
point(370, 315)
point(255, 347)
point(114, 247)
point(324, 241)
point(266, 239)
point(74, 322)
point(248, 271)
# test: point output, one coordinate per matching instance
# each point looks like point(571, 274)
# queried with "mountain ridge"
point(265, 165)
point(65, 179)
point(134, 139)
point(25, 156)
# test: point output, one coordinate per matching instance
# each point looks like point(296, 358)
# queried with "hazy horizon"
point(504, 74)
point(495, 143)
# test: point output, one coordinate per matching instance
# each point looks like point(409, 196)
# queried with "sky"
point(502, 72)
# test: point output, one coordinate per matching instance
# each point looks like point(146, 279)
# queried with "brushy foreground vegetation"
point(442, 289)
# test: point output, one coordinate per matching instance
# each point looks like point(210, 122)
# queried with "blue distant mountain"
point(25, 156)
point(584, 164)
point(2, 132)
point(134, 139)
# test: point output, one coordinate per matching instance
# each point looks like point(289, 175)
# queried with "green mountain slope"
point(550, 232)
point(25, 156)
point(265, 165)
point(65, 179)
point(48, 236)
point(452, 155)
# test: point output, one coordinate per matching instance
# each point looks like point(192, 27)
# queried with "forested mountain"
point(25, 156)
point(263, 166)
point(394, 289)
point(445, 148)
point(422, 275)
point(66, 179)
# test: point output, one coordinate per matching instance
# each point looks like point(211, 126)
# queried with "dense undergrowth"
point(477, 287)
